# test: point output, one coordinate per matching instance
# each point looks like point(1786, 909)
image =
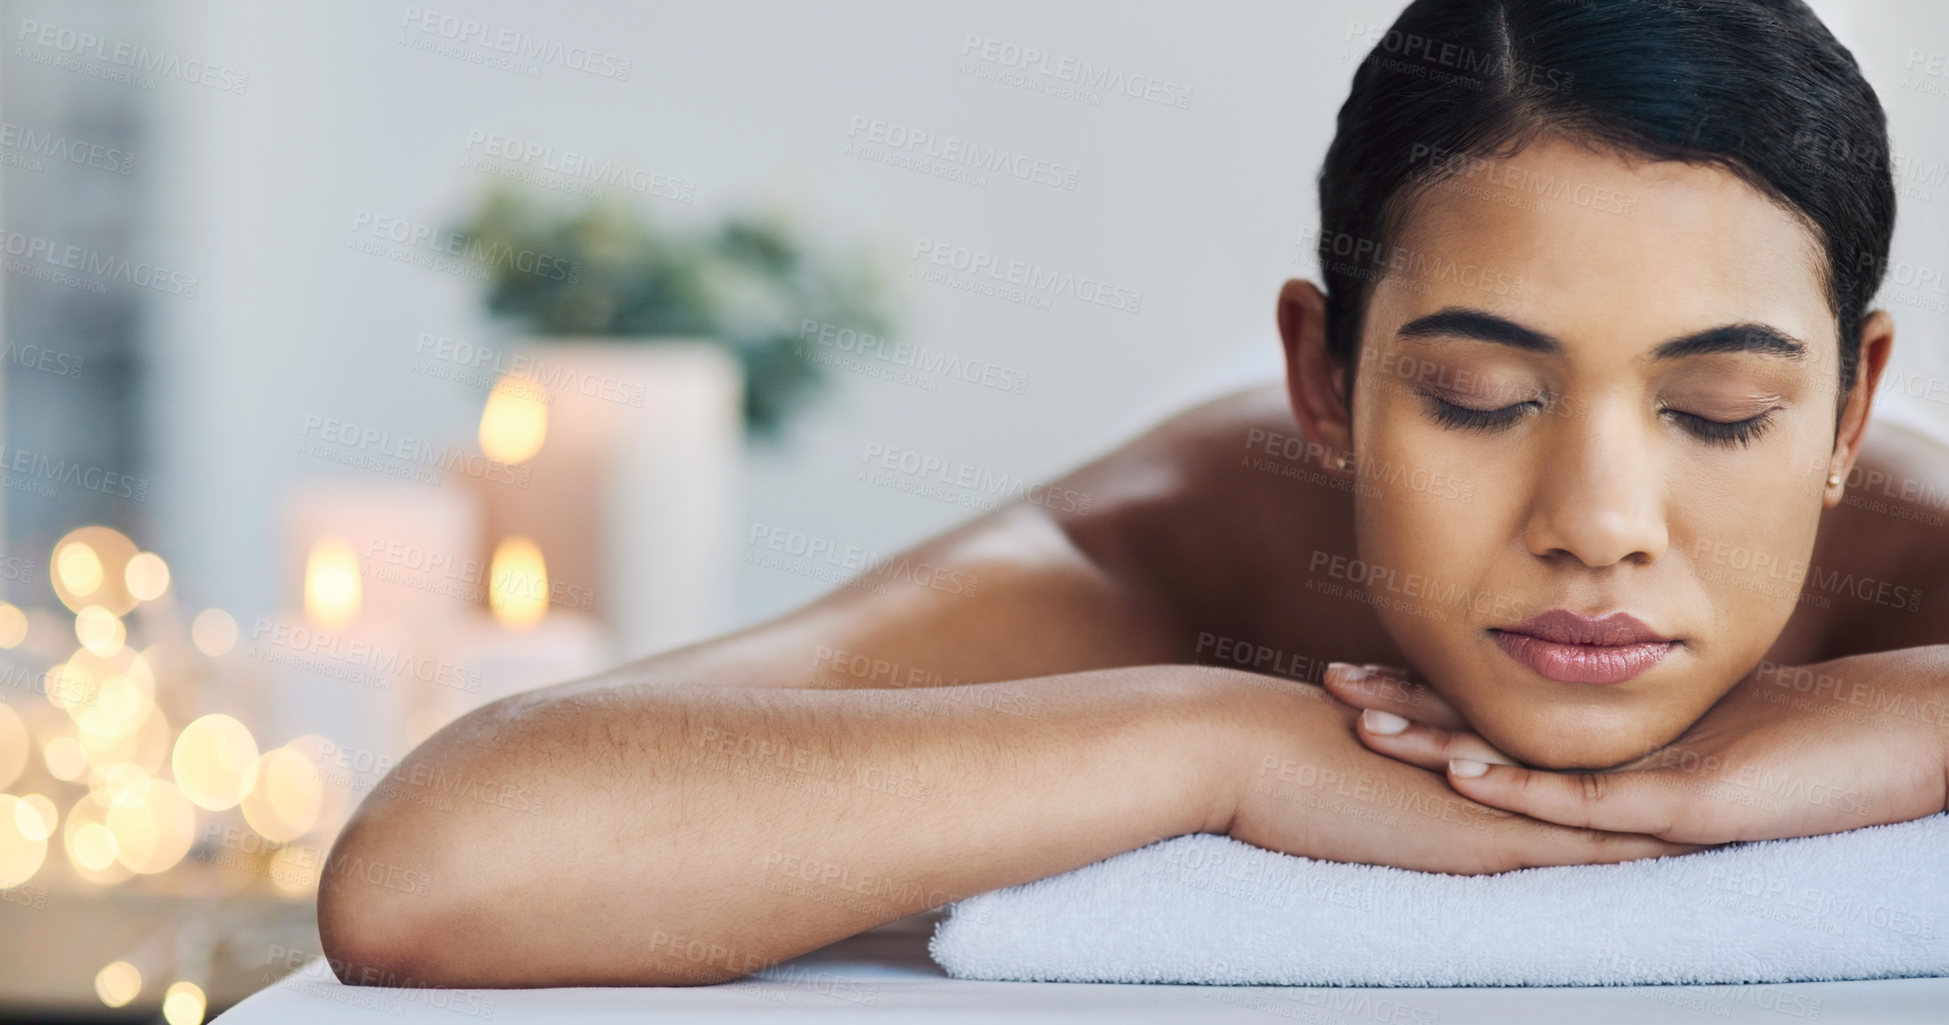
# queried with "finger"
point(1622, 802)
point(1541, 845)
point(1425, 746)
point(1391, 690)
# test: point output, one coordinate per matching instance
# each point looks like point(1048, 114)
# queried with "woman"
point(1570, 432)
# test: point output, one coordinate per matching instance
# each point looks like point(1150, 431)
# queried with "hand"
point(1310, 788)
point(1789, 751)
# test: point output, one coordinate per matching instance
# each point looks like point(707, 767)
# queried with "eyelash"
point(1714, 432)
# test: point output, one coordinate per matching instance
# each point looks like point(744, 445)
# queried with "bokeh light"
point(285, 795)
point(65, 757)
point(213, 760)
point(13, 625)
point(183, 1004)
point(118, 983)
point(78, 569)
point(213, 632)
point(36, 816)
point(295, 870)
point(154, 835)
point(21, 854)
point(14, 745)
point(146, 576)
point(122, 785)
point(70, 684)
point(90, 567)
point(99, 630)
point(91, 845)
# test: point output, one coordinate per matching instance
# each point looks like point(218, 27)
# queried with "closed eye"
point(1460, 417)
point(1723, 432)
point(1728, 434)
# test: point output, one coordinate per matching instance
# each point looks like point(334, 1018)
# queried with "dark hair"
point(1757, 87)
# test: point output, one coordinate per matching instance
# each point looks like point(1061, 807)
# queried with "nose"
point(1600, 492)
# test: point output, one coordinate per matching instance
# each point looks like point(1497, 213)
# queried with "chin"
point(1575, 741)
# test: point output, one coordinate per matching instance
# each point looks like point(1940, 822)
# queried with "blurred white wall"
point(1199, 208)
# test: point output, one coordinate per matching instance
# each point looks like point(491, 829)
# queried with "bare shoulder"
point(1882, 558)
point(1898, 497)
point(1212, 509)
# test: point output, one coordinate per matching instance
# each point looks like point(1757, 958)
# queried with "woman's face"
point(1600, 387)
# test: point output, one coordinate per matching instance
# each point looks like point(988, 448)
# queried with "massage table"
point(884, 974)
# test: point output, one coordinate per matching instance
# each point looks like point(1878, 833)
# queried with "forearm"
point(694, 834)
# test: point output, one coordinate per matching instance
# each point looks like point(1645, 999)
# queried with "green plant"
point(747, 283)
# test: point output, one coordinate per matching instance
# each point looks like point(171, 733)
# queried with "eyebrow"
point(1483, 326)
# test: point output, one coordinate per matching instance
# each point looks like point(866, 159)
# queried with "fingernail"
point(1347, 671)
point(1467, 768)
point(1386, 724)
point(1382, 670)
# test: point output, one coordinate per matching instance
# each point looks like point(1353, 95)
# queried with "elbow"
point(381, 918)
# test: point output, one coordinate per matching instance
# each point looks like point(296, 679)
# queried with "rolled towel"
point(1866, 904)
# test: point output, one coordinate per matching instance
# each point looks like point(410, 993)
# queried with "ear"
point(1877, 341)
point(1314, 382)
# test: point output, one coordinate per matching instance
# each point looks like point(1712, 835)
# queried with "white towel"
point(1866, 904)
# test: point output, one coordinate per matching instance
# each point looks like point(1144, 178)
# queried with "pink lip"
point(1564, 646)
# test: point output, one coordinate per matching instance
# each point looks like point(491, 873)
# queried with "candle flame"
point(514, 423)
point(332, 590)
point(518, 586)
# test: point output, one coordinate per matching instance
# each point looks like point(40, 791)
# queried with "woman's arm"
point(676, 835)
point(1792, 750)
point(671, 835)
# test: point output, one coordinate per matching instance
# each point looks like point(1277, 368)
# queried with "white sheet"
point(885, 975)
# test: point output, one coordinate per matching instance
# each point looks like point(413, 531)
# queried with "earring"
point(1833, 480)
point(1344, 462)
